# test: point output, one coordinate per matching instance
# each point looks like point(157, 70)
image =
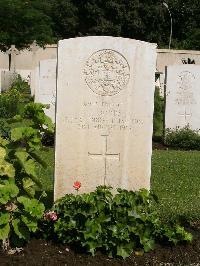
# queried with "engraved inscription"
point(105, 155)
point(185, 89)
point(107, 72)
point(108, 116)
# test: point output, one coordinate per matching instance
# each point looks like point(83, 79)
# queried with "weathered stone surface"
point(46, 90)
point(105, 92)
point(182, 96)
point(7, 78)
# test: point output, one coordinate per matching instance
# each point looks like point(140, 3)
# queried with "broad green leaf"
point(22, 156)
point(15, 119)
point(4, 218)
point(28, 164)
point(8, 190)
point(16, 134)
point(3, 142)
point(20, 230)
point(4, 231)
point(148, 245)
point(27, 135)
point(2, 153)
point(32, 206)
point(6, 169)
point(28, 186)
point(30, 222)
point(125, 250)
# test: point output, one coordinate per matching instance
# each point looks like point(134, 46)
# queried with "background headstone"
point(25, 74)
point(34, 48)
point(1, 76)
point(7, 78)
point(182, 96)
point(46, 90)
point(13, 52)
point(105, 95)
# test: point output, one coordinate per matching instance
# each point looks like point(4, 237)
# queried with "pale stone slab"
point(105, 94)
point(7, 78)
point(182, 96)
point(1, 76)
point(46, 92)
point(25, 74)
point(34, 80)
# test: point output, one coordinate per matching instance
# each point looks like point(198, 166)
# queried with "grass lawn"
point(175, 180)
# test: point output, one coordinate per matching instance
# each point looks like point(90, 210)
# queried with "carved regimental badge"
point(186, 80)
point(107, 72)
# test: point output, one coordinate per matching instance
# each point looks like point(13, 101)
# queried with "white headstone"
point(13, 52)
point(182, 96)
point(34, 48)
point(25, 74)
point(34, 80)
point(105, 94)
point(1, 76)
point(46, 91)
point(7, 78)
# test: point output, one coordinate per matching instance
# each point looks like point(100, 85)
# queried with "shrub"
point(34, 115)
point(13, 100)
point(115, 224)
point(9, 103)
point(20, 85)
point(4, 128)
point(158, 114)
point(19, 209)
point(183, 138)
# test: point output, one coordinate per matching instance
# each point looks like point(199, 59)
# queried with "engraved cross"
point(185, 115)
point(105, 155)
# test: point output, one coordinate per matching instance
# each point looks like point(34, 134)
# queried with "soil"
point(42, 253)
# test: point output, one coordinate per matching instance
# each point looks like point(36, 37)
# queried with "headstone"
point(105, 94)
point(34, 48)
point(182, 96)
point(7, 78)
point(25, 74)
point(1, 76)
point(46, 91)
point(13, 52)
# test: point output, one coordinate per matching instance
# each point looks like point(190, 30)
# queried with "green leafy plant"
point(117, 224)
point(19, 209)
point(24, 89)
point(38, 120)
point(13, 100)
point(20, 85)
point(183, 138)
point(9, 103)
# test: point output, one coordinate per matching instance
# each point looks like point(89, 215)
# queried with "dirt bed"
point(41, 252)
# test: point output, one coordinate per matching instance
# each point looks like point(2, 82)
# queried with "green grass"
point(175, 180)
point(46, 174)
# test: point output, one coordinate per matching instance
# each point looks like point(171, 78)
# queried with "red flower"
point(77, 185)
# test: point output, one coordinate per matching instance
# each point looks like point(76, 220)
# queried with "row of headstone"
point(105, 95)
point(104, 102)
